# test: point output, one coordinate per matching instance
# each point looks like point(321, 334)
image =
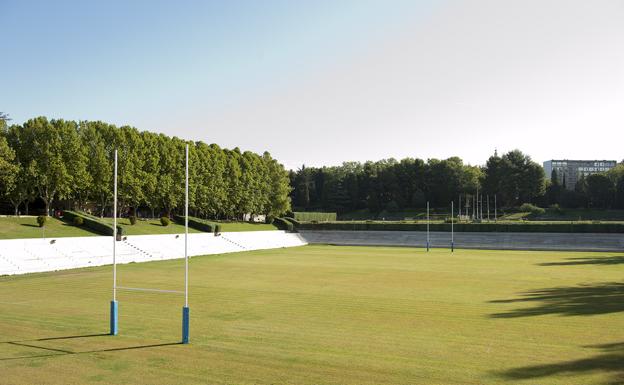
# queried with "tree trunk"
point(27, 202)
point(16, 209)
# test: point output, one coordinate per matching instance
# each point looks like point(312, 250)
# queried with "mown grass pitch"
point(325, 315)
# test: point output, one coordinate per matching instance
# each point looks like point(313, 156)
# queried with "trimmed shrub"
point(132, 219)
point(217, 229)
point(529, 208)
point(41, 220)
point(92, 222)
point(269, 219)
point(78, 221)
point(165, 221)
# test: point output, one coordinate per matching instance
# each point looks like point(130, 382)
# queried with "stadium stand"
point(21, 256)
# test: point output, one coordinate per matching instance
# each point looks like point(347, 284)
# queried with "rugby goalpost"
point(114, 304)
point(428, 243)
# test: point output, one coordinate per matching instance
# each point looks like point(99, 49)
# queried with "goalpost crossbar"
point(150, 290)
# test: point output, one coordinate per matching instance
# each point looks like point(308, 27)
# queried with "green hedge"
point(293, 221)
point(196, 223)
point(471, 227)
point(92, 223)
point(283, 224)
point(314, 216)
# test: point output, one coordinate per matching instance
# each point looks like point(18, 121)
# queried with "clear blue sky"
point(320, 82)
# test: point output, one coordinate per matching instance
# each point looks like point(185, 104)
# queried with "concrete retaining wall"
point(499, 241)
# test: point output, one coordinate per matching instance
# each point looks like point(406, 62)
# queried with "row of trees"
point(409, 183)
point(70, 165)
point(393, 185)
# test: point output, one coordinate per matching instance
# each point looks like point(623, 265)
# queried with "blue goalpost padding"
point(113, 318)
point(185, 324)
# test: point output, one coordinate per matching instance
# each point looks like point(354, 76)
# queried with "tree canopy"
point(69, 164)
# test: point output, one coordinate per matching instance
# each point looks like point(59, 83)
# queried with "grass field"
point(325, 315)
point(27, 227)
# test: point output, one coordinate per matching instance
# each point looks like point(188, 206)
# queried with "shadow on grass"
point(615, 260)
point(602, 298)
point(610, 361)
point(29, 225)
point(55, 352)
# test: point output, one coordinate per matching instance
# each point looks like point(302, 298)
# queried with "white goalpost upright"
point(427, 225)
point(452, 233)
point(185, 309)
point(114, 305)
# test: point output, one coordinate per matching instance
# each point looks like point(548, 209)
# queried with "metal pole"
point(474, 201)
point(185, 309)
point(481, 212)
point(114, 304)
point(427, 225)
point(459, 217)
point(494, 207)
point(452, 234)
point(477, 202)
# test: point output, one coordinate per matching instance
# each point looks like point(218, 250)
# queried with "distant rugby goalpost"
point(114, 304)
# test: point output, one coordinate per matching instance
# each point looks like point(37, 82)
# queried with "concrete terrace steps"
point(21, 256)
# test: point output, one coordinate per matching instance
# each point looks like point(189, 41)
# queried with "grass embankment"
point(27, 227)
point(149, 227)
point(153, 226)
point(551, 215)
point(325, 315)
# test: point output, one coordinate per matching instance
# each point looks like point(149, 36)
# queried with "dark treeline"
point(67, 164)
point(603, 190)
point(393, 185)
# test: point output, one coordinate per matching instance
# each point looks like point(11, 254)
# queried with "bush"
point(217, 229)
point(165, 221)
point(269, 219)
point(556, 208)
point(529, 208)
point(78, 221)
point(132, 219)
point(41, 220)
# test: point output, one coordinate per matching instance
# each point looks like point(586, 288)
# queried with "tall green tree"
point(600, 191)
point(8, 168)
point(51, 150)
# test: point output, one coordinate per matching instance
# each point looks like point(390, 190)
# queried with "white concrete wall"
point(21, 256)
